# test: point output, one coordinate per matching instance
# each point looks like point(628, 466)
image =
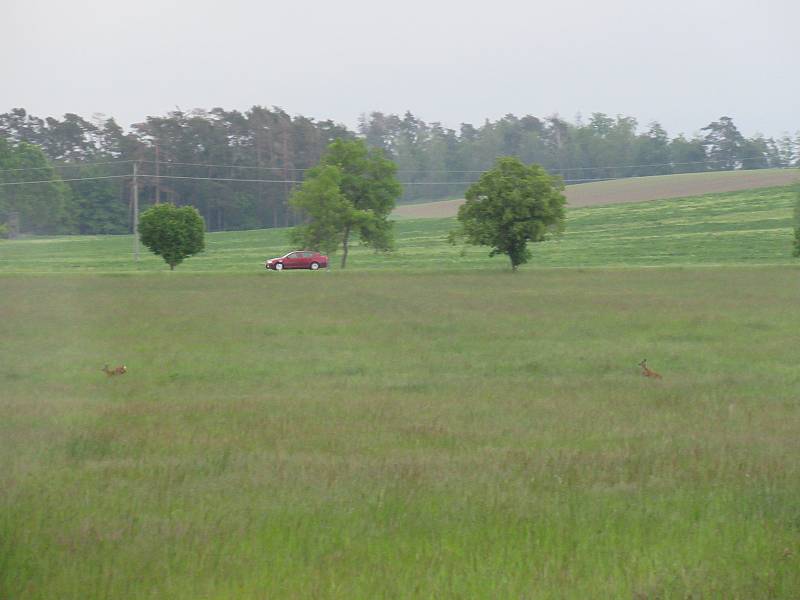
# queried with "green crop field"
point(752, 227)
point(635, 189)
point(425, 425)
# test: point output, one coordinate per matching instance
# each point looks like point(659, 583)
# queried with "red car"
point(300, 259)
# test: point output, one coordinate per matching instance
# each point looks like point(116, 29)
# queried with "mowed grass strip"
point(753, 227)
point(369, 435)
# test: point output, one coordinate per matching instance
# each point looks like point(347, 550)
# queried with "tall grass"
point(383, 434)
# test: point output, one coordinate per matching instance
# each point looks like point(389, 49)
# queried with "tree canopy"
point(42, 208)
point(511, 205)
point(174, 233)
point(351, 193)
point(328, 209)
point(239, 168)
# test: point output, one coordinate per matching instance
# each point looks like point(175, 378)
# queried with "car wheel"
point(314, 266)
point(279, 266)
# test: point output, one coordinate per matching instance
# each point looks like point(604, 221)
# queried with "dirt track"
point(636, 189)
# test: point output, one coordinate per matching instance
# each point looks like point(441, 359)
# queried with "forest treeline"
point(239, 168)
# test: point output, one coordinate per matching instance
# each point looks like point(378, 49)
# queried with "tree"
point(724, 144)
point(755, 153)
point(97, 206)
point(42, 208)
point(352, 191)
point(687, 156)
point(652, 152)
point(511, 205)
point(321, 199)
point(173, 233)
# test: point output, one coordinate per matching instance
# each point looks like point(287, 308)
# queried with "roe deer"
point(647, 372)
point(115, 371)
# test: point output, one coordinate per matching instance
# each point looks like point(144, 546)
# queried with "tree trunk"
point(171, 267)
point(345, 246)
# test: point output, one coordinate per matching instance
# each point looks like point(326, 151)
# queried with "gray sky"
point(681, 62)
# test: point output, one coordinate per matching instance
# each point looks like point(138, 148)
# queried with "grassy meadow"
point(750, 227)
point(441, 430)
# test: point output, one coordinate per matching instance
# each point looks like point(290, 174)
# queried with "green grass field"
point(441, 430)
point(751, 227)
point(635, 189)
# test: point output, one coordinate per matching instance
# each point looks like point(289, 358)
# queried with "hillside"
point(636, 189)
point(747, 227)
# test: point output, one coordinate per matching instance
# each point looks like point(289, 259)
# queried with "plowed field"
point(636, 189)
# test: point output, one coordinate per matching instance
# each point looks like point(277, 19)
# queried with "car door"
point(300, 261)
point(292, 260)
point(308, 258)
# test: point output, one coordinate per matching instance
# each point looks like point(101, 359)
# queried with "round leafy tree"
point(171, 232)
point(350, 193)
point(511, 205)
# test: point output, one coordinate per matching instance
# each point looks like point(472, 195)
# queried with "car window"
point(308, 254)
point(293, 255)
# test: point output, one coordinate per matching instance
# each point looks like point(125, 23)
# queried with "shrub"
point(173, 233)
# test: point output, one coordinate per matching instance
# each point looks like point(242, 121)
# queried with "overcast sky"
point(681, 62)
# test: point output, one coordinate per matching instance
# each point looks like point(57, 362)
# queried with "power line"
point(68, 166)
point(669, 164)
point(61, 180)
point(587, 179)
point(168, 163)
point(556, 170)
point(297, 169)
point(296, 181)
point(228, 179)
point(553, 170)
point(225, 179)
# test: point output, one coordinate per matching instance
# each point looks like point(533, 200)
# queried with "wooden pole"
point(158, 180)
point(286, 176)
point(136, 211)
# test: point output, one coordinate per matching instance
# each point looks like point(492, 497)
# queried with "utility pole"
point(13, 225)
point(136, 210)
point(158, 180)
point(286, 176)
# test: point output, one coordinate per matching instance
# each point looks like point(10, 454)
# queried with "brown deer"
point(115, 371)
point(647, 372)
